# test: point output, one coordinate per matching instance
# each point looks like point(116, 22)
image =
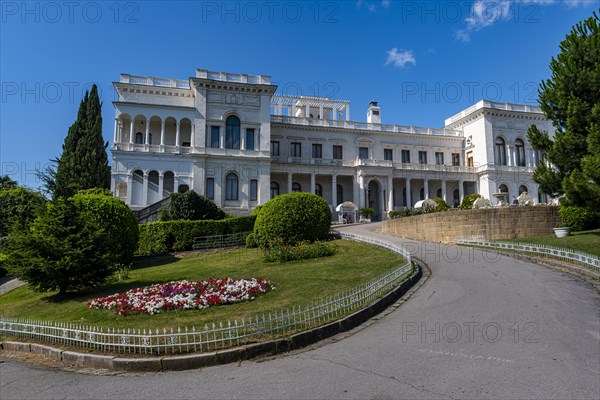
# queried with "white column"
point(116, 139)
point(355, 190)
point(408, 196)
point(161, 186)
point(129, 181)
point(444, 190)
point(334, 200)
point(334, 114)
point(534, 157)
point(162, 132)
point(147, 131)
point(177, 126)
point(313, 183)
point(461, 192)
point(289, 182)
point(426, 188)
point(390, 193)
point(145, 192)
point(192, 140)
point(509, 157)
point(131, 129)
point(242, 139)
point(307, 111)
point(361, 187)
point(321, 112)
point(348, 112)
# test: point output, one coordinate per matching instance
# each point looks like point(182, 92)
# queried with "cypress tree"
point(84, 162)
point(571, 99)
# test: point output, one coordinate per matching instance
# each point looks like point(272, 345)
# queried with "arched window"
point(522, 189)
point(318, 190)
point(183, 188)
point(231, 187)
point(340, 194)
point(274, 189)
point(500, 151)
point(139, 138)
point(296, 187)
point(520, 153)
point(232, 132)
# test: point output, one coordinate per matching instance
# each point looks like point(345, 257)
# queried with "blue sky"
point(423, 61)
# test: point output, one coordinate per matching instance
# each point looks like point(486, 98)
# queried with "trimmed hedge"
point(292, 218)
point(166, 236)
point(578, 218)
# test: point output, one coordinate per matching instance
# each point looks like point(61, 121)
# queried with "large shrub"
point(468, 201)
point(578, 218)
point(114, 218)
point(61, 250)
point(191, 206)
point(166, 236)
point(291, 219)
point(18, 208)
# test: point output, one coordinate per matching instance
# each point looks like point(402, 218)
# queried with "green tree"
point(18, 208)
point(60, 251)
point(571, 99)
point(191, 206)
point(7, 183)
point(84, 162)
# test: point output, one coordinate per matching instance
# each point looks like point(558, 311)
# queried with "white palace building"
point(230, 138)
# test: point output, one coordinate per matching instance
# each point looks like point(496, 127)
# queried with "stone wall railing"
point(499, 223)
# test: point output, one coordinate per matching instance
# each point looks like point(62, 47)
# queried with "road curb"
point(226, 356)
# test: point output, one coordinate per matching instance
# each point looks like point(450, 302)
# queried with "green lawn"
point(296, 283)
point(587, 241)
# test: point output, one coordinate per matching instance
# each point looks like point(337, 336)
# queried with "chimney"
point(374, 113)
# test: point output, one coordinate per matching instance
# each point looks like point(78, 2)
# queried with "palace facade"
point(230, 138)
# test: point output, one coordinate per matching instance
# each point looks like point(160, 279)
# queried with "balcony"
point(154, 148)
point(365, 126)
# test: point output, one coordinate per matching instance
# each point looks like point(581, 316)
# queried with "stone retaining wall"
point(491, 223)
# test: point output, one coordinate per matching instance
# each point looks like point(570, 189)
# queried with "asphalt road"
point(483, 326)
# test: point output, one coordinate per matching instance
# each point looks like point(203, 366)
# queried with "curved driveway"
point(482, 326)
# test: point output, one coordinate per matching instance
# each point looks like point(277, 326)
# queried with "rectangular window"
point(274, 149)
point(470, 159)
point(249, 139)
point(406, 156)
point(210, 188)
point(439, 158)
point(388, 154)
point(317, 150)
point(363, 153)
point(253, 189)
point(296, 149)
point(337, 152)
point(214, 137)
point(422, 157)
point(456, 159)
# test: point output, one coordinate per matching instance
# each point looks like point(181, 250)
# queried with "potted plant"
point(365, 213)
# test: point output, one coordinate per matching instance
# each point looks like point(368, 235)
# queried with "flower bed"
point(183, 295)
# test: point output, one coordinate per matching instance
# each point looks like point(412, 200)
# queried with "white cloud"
point(400, 59)
point(385, 3)
point(485, 13)
point(372, 5)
